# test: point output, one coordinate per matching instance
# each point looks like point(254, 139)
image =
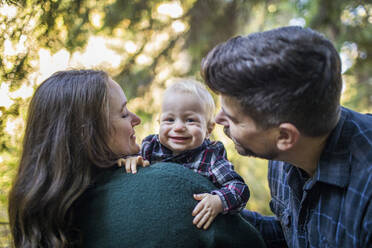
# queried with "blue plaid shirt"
point(208, 160)
point(333, 208)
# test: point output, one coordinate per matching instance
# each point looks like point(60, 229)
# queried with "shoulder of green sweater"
point(158, 171)
point(157, 199)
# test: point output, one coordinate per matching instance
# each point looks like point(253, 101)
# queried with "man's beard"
point(244, 151)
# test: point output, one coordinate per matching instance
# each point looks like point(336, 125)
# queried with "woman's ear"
point(288, 136)
point(210, 127)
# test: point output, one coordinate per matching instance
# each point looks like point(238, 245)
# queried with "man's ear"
point(288, 136)
point(210, 127)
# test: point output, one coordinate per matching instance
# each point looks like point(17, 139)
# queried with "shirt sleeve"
point(268, 226)
point(147, 147)
point(233, 191)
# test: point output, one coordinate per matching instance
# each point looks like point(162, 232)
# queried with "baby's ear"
point(210, 127)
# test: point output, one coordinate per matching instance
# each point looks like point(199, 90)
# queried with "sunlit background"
point(145, 45)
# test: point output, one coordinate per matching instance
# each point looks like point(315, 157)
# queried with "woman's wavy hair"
point(65, 144)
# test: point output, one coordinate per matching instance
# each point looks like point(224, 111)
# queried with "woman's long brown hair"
point(65, 141)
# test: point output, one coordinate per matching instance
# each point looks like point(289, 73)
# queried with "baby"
point(186, 123)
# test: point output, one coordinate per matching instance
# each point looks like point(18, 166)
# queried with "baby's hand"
point(206, 210)
point(132, 162)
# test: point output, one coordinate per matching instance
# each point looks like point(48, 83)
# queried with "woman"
point(78, 125)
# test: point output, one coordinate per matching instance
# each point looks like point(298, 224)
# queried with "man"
point(280, 97)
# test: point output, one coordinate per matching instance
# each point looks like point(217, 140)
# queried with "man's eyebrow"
point(229, 116)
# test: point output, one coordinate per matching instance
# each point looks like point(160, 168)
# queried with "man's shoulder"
point(352, 136)
point(358, 118)
point(358, 127)
point(362, 122)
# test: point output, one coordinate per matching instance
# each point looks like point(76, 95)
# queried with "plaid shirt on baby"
point(334, 207)
point(208, 160)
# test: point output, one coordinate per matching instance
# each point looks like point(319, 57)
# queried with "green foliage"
point(4, 235)
point(165, 51)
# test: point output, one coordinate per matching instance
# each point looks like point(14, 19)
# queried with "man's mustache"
point(226, 130)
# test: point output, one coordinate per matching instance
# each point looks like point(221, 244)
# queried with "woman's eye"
point(124, 115)
point(190, 120)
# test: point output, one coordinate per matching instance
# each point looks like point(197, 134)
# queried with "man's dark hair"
point(290, 74)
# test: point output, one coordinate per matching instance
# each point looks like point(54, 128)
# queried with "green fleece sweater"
point(153, 209)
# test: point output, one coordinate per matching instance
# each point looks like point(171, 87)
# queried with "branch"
point(12, 2)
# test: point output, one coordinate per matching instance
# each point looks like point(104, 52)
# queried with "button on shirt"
point(333, 208)
point(208, 160)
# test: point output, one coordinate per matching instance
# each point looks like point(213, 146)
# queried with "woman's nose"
point(135, 120)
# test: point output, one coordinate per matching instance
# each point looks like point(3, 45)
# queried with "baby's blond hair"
point(197, 89)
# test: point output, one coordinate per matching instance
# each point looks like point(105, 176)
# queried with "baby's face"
point(183, 124)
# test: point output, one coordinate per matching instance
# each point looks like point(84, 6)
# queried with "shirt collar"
point(334, 164)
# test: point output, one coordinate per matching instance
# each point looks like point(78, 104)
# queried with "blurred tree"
point(349, 24)
point(155, 41)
